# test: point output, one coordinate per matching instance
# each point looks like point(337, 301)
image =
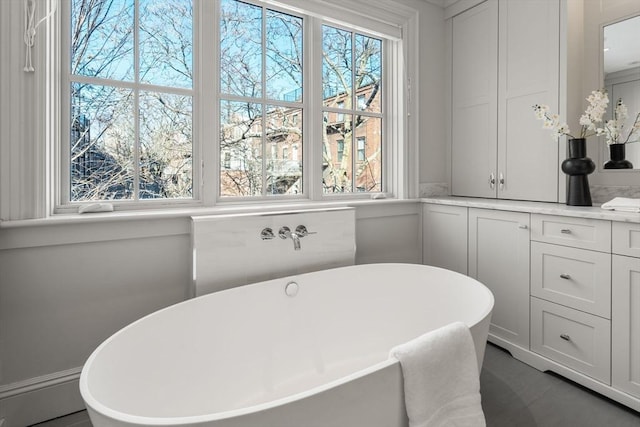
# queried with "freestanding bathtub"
point(264, 355)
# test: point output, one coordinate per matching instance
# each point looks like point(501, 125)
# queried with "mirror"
point(621, 65)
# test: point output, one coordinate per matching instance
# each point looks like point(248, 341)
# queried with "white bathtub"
point(253, 356)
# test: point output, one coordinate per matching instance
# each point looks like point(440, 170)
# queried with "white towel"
point(441, 381)
point(622, 204)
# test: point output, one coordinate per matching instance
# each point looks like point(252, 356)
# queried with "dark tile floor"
point(517, 395)
point(513, 395)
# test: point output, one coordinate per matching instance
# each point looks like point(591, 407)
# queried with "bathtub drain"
point(291, 289)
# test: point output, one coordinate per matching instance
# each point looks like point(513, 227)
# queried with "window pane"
point(165, 146)
point(368, 72)
point(336, 66)
point(240, 48)
point(166, 42)
point(369, 156)
point(102, 38)
point(241, 142)
point(284, 172)
point(102, 140)
point(284, 57)
point(336, 153)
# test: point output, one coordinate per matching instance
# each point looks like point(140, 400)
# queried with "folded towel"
point(622, 204)
point(441, 381)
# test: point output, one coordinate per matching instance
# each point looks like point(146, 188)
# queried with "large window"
point(142, 104)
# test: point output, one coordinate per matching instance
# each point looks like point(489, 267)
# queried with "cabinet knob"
point(565, 337)
point(492, 180)
point(565, 276)
point(501, 181)
point(565, 231)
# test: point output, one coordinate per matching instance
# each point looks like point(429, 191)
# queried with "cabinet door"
point(444, 237)
point(474, 100)
point(499, 258)
point(625, 324)
point(529, 52)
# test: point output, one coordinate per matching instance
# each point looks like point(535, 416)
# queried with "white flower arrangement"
point(598, 102)
point(614, 128)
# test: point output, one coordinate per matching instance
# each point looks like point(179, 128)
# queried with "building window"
point(137, 126)
point(361, 148)
point(340, 152)
point(340, 114)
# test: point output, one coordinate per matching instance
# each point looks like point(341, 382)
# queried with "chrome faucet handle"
point(267, 234)
point(284, 232)
point(302, 231)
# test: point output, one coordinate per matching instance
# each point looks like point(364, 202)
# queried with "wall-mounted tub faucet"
point(267, 234)
point(286, 233)
point(302, 231)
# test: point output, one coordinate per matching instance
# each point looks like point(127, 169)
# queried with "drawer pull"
point(565, 276)
point(565, 231)
point(523, 226)
point(565, 337)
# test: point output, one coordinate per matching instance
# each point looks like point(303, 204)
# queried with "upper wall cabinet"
point(505, 59)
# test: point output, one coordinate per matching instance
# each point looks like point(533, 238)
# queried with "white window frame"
point(61, 190)
point(400, 66)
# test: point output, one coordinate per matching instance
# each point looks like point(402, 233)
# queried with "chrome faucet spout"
point(286, 233)
point(296, 241)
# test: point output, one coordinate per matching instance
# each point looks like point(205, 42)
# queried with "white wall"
point(431, 90)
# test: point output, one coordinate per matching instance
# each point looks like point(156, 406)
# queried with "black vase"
point(578, 166)
point(617, 153)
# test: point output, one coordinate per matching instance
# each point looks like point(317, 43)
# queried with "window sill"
point(183, 213)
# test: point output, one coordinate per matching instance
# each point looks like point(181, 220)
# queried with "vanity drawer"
point(577, 278)
point(625, 238)
point(593, 234)
point(575, 339)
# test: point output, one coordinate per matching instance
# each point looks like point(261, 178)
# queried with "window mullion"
point(352, 112)
point(263, 136)
point(314, 112)
point(136, 101)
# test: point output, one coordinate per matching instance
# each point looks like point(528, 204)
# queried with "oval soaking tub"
point(266, 355)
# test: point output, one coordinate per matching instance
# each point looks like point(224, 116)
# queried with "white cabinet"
point(566, 288)
point(571, 293)
point(625, 312)
point(444, 237)
point(577, 278)
point(499, 258)
point(474, 101)
point(505, 58)
point(571, 337)
point(582, 233)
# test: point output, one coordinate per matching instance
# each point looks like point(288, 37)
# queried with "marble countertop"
point(593, 212)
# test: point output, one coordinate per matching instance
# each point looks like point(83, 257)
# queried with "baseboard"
point(40, 399)
point(543, 364)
